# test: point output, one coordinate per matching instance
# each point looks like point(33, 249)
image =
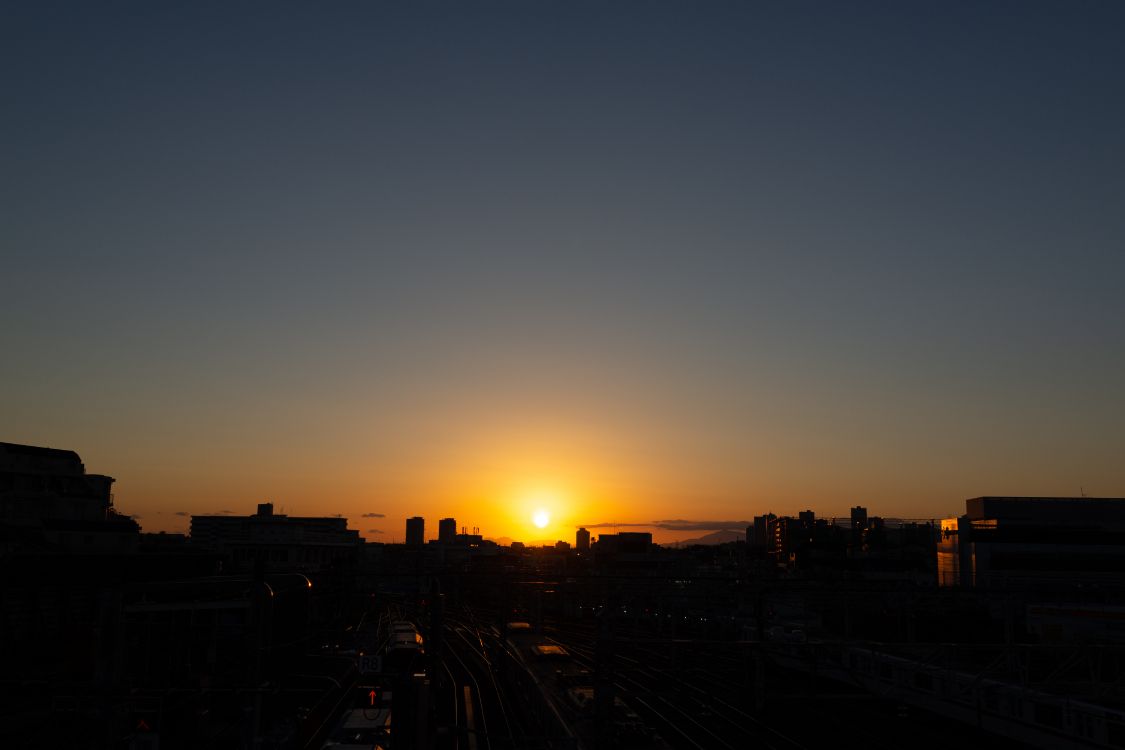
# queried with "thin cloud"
point(676, 524)
point(375, 531)
point(182, 513)
point(374, 515)
point(681, 524)
point(226, 513)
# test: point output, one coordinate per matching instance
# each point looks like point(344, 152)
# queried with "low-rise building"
point(1024, 542)
point(281, 542)
point(48, 503)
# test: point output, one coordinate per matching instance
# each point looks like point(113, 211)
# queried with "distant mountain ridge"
point(715, 537)
point(506, 541)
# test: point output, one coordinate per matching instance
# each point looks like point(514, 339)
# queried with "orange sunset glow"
point(571, 374)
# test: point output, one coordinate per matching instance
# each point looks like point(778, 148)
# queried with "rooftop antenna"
point(1081, 490)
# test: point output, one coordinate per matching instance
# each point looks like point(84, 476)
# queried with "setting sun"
point(541, 506)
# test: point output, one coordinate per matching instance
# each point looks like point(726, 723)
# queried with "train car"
point(366, 728)
point(403, 652)
point(1035, 717)
point(526, 663)
point(403, 626)
point(559, 692)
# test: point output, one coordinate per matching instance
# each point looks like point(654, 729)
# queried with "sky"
point(628, 262)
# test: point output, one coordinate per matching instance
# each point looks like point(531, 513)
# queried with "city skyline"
point(565, 374)
point(543, 518)
point(607, 262)
point(871, 622)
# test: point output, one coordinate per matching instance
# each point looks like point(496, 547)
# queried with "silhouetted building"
point(785, 534)
point(1033, 541)
point(281, 542)
point(807, 517)
point(760, 535)
point(876, 535)
point(628, 542)
point(416, 531)
point(447, 530)
point(223, 634)
point(468, 540)
point(48, 503)
point(164, 542)
point(582, 540)
point(859, 525)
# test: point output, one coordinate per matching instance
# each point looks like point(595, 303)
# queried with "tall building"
point(782, 538)
point(760, 534)
point(859, 526)
point(447, 530)
point(859, 519)
point(582, 540)
point(416, 531)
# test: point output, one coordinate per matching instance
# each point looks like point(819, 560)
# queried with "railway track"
point(701, 717)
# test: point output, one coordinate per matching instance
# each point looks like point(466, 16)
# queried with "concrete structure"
point(281, 542)
point(628, 542)
point(999, 699)
point(786, 531)
point(1031, 542)
point(582, 540)
point(416, 531)
point(48, 503)
point(447, 530)
point(468, 540)
point(760, 535)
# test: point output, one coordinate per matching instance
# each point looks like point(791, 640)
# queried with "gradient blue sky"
point(633, 261)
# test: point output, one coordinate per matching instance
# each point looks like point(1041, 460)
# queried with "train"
point(1022, 712)
point(559, 692)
